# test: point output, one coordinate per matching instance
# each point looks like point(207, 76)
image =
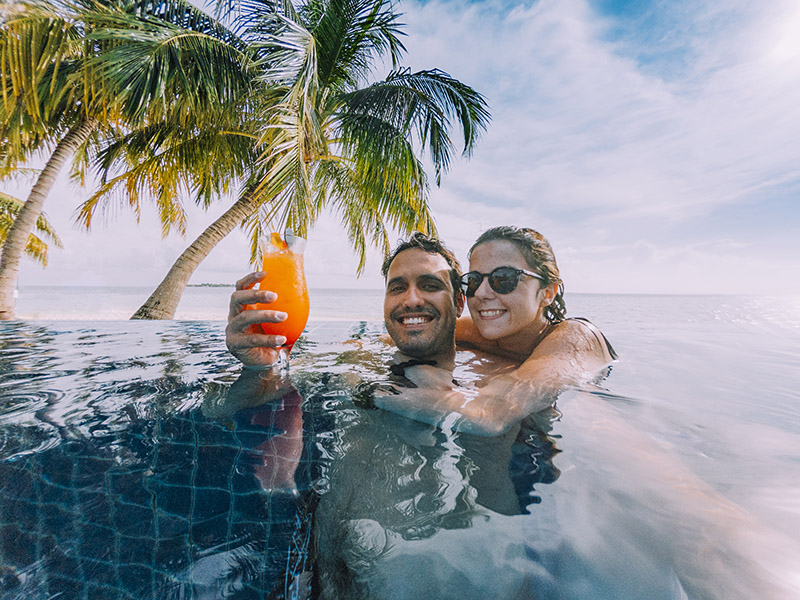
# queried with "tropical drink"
point(283, 264)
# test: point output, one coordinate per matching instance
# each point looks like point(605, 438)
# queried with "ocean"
point(199, 303)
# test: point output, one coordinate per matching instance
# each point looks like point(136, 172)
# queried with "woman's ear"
point(460, 299)
point(550, 293)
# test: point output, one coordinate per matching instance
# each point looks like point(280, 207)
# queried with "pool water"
point(137, 462)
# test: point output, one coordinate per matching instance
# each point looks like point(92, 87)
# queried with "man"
point(422, 302)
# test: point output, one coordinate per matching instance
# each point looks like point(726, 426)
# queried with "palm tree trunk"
point(163, 302)
point(14, 246)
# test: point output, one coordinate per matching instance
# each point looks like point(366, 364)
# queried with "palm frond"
point(36, 247)
point(164, 166)
point(39, 50)
point(363, 224)
point(351, 35)
point(289, 59)
point(182, 61)
point(426, 102)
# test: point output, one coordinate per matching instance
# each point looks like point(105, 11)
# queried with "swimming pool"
point(136, 464)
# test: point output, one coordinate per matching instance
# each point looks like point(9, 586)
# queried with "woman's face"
point(501, 315)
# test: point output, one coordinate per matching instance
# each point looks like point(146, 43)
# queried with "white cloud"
point(577, 124)
point(589, 147)
point(630, 166)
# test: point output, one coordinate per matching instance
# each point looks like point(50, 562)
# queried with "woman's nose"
point(484, 289)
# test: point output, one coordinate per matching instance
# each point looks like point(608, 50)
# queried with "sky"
point(655, 144)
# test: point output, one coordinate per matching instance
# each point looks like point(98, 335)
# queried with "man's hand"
point(243, 336)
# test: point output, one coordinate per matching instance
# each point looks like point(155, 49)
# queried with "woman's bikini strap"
point(598, 334)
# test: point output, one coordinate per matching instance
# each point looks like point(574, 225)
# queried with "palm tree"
point(57, 89)
point(201, 147)
point(43, 104)
point(326, 139)
point(37, 247)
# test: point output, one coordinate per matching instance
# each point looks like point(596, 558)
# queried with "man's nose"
point(413, 297)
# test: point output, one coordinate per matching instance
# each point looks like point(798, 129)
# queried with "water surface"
point(136, 463)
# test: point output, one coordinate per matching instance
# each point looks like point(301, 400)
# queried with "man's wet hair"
point(431, 245)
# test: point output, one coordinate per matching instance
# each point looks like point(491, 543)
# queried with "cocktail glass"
point(283, 264)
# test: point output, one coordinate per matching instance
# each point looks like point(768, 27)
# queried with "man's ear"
point(460, 299)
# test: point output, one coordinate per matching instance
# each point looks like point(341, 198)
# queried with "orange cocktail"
point(283, 264)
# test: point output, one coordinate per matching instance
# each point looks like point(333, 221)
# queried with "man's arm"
point(570, 355)
point(242, 335)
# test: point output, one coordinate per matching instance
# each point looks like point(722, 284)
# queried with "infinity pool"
point(135, 462)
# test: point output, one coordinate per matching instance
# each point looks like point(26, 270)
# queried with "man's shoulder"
point(386, 339)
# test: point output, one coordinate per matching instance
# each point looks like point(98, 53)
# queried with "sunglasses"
point(502, 280)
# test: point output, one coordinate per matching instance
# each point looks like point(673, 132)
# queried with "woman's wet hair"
point(540, 258)
point(431, 245)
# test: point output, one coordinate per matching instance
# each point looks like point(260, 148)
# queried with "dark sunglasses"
point(502, 280)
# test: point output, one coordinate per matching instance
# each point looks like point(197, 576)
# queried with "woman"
point(515, 299)
point(516, 303)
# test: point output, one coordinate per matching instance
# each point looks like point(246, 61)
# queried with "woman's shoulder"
point(577, 329)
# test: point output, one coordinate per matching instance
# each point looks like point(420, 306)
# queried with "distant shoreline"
point(200, 302)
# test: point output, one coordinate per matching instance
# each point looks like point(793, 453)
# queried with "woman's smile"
point(491, 313)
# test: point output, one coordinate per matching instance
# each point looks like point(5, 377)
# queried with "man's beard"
point(423, 343)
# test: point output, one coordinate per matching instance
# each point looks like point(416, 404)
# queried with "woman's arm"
point(570, 355)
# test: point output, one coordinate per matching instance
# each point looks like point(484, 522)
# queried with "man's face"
point(418, 307)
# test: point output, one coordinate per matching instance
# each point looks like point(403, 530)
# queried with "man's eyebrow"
point(431, 276)
point(395, 280)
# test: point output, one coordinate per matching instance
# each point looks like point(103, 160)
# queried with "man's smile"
point(414, 319)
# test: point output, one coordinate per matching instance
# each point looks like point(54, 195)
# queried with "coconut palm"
point(326, 139)
point(335, 142)
point(43, 105)
point(200, 149)
point(37, 245)
point(58, 92)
